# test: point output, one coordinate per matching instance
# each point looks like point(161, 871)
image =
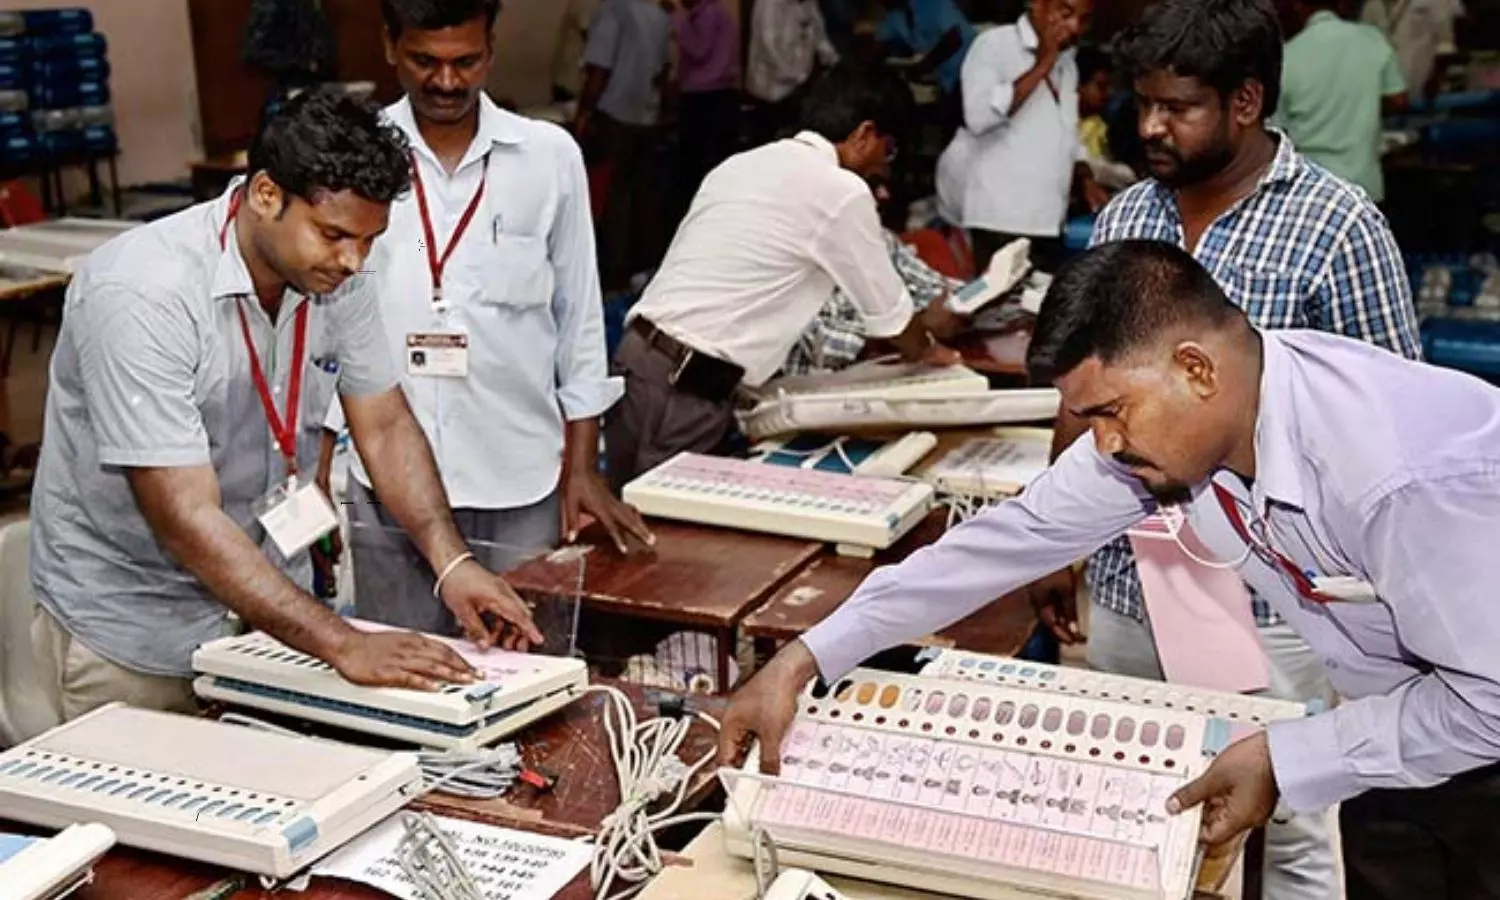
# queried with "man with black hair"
point(1019, 151)
point(488, 271)
point(195, 364)
point(1292, 246)
point(771, 232)
point(1357, 491)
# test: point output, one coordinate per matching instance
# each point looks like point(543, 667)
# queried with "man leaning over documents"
point(195, 363)
point(489, 293)
point(1355, 490)
point(768, 237)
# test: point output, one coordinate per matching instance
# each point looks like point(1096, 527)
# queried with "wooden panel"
point(697, 575)
point(812, 595)
point(230, 93)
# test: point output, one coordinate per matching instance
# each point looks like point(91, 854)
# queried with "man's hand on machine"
point(764, 708)
point(1055, 601)
point(400, 659)
point(478, 597)
point(918, 344)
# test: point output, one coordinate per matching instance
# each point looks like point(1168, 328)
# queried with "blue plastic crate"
point(64, 95)
point(69, 45)
point(1472, 347)
point(62, 20)
point(69, 68)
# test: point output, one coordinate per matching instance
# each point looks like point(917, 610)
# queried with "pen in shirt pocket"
point(329, 364)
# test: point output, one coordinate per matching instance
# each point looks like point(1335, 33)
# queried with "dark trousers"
point(710, 133)
point(1441, 843)
point(631, 222)
point(1046, 252)
point(655, 420)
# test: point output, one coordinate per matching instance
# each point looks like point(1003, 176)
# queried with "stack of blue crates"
point(54, 88)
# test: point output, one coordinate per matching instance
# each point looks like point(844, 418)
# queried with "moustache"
point(1133, 461)
point(1162, 148)
point(445, 95)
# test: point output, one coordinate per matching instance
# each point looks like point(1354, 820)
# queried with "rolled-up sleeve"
point(988, 76)
point(1067, 513)
point(585, 389)
point(852, 248)
point(1435, 547)
point(366, 366)
point(137, 359)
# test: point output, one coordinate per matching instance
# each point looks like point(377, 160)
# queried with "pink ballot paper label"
point(984, 782)
point(1200, 616)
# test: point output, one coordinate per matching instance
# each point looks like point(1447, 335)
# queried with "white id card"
point(437, 354)
point(295, 515)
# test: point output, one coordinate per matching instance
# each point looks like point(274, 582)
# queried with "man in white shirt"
point(490, 298)
point(788, 39)
point(769, 235)
point(1020, 93)
point(1421, 31)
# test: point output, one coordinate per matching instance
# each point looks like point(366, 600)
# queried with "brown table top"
point(696, 575)
point(811, 595)
point(571, 744)
point(21, 284)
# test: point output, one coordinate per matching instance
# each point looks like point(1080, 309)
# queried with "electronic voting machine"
point(988, 777)
point(889, 394)
point(36, 868)
point(255, 670)
point(257, 801)
point(858, 514)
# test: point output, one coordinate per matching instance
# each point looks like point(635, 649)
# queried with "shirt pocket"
point(515, 274)
point(320, 380)
point(1270, 297)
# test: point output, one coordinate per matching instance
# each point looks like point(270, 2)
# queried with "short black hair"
point(1224, 43)
point(1117, 298)
point(847, 96)
point(327, 139)
point(432, 15)
point(1091, 61)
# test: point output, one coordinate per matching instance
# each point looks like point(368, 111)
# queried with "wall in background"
point(151, 79)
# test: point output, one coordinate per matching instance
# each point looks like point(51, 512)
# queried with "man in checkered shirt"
point(1292, 245)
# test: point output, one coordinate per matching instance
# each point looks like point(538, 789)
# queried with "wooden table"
point(813, 594)
point(571, 745)
point(699, 577)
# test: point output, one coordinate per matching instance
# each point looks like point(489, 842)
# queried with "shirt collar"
point(1029, 38)
point(1320, 17)
point(819, 143)
point(496, 126)
point(1277, 437)
point(1287, 166)
point(231, 276)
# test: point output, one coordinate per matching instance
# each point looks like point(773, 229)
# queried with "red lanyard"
point(284, 429)
point(436, 263)
point(1299, 578)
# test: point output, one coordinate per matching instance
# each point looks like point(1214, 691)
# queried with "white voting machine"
point(991, 777)
point(259, 801)
point(860, 515)
point(887, 394)
point(59, 245)
point(795, 884)
point(258, 671)
point(51, 868)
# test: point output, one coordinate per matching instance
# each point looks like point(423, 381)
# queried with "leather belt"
point(693, 371)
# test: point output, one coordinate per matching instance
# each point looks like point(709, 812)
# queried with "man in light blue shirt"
point(516, 432)
point(1303, 459)
point(197, 357)
point(935, 30)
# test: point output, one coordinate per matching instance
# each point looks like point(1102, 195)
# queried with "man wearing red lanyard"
point(1357, 491)
point(198, 357)
point(489, 293)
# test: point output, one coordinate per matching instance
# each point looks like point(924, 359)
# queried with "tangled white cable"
point(429, 859)
point(647, 768)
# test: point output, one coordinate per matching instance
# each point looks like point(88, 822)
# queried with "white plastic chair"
point(27, 704)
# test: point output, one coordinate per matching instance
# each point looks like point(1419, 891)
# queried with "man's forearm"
point(405, 478)
point(1028, 83)
point(182, 508)
point(582, 442)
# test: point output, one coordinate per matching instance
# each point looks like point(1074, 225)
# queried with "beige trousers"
point(80, 680)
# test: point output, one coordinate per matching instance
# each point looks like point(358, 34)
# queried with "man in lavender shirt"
point(708, 64)
point(1305, 457)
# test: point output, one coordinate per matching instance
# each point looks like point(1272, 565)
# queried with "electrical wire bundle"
point(647, 768)
point(483, 774)
point(427, 855)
